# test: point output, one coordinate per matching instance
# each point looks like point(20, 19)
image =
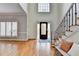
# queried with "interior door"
point(14, 29)
point(43, 30)
point(2, 29)
point(8, 29)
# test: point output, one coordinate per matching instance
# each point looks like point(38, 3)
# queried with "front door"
point(43, 30)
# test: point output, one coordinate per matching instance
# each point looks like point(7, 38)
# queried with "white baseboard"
point(14, 39)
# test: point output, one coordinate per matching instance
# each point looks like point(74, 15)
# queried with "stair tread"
point(52, 45)
point(64, 37)
point(77, 17)
point(69, 31)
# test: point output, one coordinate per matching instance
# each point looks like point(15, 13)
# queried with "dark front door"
point(43, 30)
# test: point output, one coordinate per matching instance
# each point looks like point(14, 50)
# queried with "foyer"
point(39, 29)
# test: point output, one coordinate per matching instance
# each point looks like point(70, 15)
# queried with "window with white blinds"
point(43, 7)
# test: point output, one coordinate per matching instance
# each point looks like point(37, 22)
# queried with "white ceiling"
point(24, 7)
point(10, 8)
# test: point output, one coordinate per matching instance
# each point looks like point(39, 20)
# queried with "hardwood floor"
point(15, 48)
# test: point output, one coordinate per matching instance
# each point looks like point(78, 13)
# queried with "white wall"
point(33, 17)
point(62, 9)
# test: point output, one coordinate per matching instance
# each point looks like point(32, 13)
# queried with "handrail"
point(63, 27)
point(69, 8)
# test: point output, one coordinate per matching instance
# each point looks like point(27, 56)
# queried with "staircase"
point(69, 24)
